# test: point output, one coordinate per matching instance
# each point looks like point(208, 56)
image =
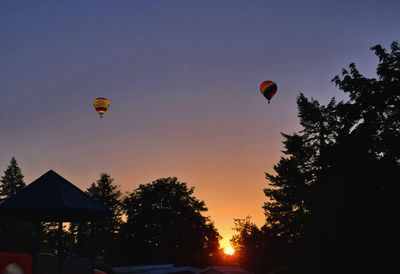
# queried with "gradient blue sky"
point(183, 80)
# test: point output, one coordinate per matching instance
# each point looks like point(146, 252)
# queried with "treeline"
point(159, 222)
point(333, 202)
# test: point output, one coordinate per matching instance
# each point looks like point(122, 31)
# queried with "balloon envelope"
point(268, 88)
point(101, 105)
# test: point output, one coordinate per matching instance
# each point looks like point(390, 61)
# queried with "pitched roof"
point(52, 198)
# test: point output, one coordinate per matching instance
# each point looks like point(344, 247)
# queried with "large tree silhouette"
point(367, 167)
point(165, 224)
point(293, 208)
point(336, 192)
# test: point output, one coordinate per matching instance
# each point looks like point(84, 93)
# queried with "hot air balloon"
point(268, 88)
point(101, 105)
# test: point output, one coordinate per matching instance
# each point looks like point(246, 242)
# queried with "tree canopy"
point(165, 224)
point(335, 192)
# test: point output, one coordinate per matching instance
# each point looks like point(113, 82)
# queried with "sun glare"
point(229, 250)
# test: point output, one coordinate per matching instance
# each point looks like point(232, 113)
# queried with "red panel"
point(22, 259)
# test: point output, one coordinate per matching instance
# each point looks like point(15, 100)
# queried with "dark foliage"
point(249, 245)
point(14, 236)
point(334, 200)
point(12, 180)
point(165, 225)
point(99, 237)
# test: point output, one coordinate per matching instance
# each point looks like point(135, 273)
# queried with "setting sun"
point(229, 250)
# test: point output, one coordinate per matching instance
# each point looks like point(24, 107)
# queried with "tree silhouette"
point(336, 191)
point(248, 243)
point(13, 234)
point(165, 225)
point(377, 102)
point(293, 207)
point(12, 181)
point(100, 236)
point(367, 166)
point(288, 193)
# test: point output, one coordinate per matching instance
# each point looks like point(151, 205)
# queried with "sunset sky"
point(183, 81)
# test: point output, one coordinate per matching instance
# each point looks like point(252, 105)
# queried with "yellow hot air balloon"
point(101, 105)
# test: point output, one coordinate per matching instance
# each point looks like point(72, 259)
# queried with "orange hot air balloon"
point(101, 105)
